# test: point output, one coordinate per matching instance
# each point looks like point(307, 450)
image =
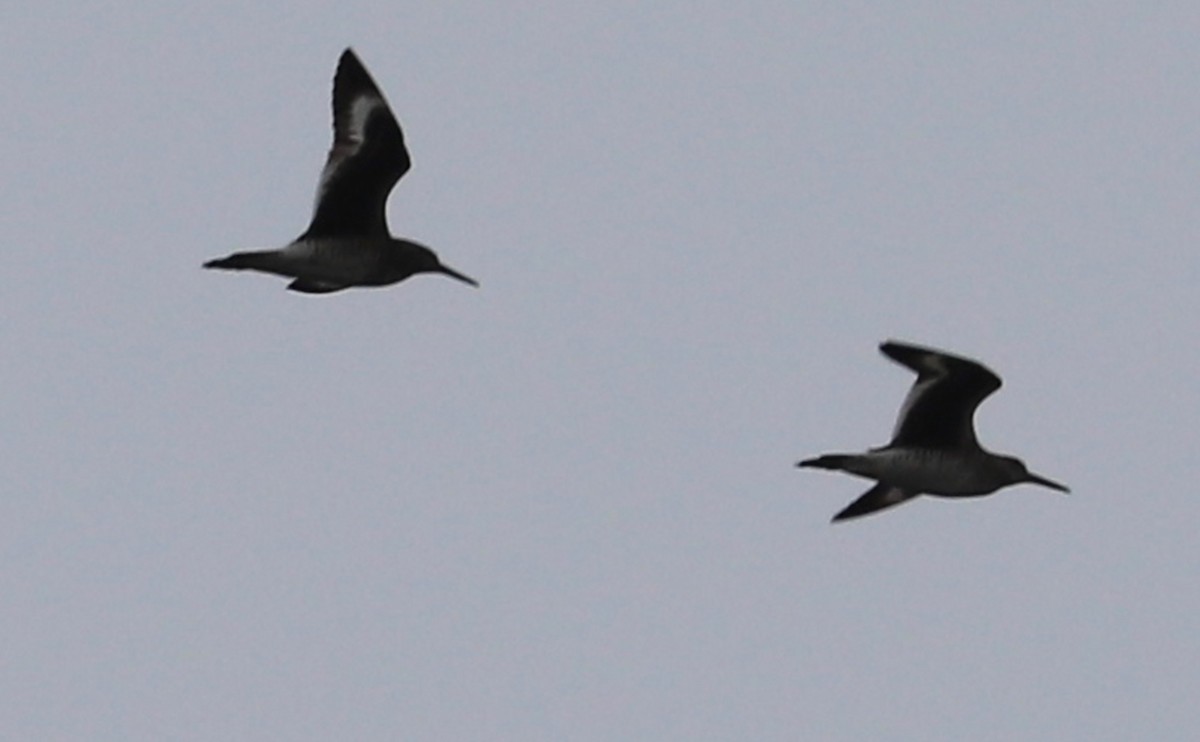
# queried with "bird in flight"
point(933, 449)
point(347, 243)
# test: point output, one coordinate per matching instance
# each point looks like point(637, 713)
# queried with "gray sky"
point(563, 506)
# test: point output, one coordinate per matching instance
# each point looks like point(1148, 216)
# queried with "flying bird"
point(933, 450)
point(348, 243)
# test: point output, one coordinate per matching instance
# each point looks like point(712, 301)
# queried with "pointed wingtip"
point(349, 64)
point(925, 361)
point(879, 497)
point(850, 512)
point(842, 516)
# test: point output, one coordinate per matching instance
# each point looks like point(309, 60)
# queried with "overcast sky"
point(563, 506)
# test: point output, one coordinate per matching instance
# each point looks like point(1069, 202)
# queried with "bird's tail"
point(259, 260)
point(828, 461)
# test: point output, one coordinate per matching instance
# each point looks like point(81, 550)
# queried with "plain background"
point(563, 506)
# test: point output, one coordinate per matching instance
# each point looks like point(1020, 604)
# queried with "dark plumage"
point(933, 448)
point(348, 242)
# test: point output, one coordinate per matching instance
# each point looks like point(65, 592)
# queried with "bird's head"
point(420, 259)
point(1018, 473)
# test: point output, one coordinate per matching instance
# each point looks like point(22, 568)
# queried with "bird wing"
point(940, 408)
point(368, 156)
point(877, 498)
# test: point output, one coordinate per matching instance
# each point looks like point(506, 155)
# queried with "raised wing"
point(940, 408)
point(368, 156)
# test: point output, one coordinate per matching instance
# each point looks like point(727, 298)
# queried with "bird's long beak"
point(455, 274)
point(1035, 479)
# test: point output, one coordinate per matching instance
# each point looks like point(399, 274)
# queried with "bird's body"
point(930, 471)
point(933, 449)
point(348, 243)
point(324, 265)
